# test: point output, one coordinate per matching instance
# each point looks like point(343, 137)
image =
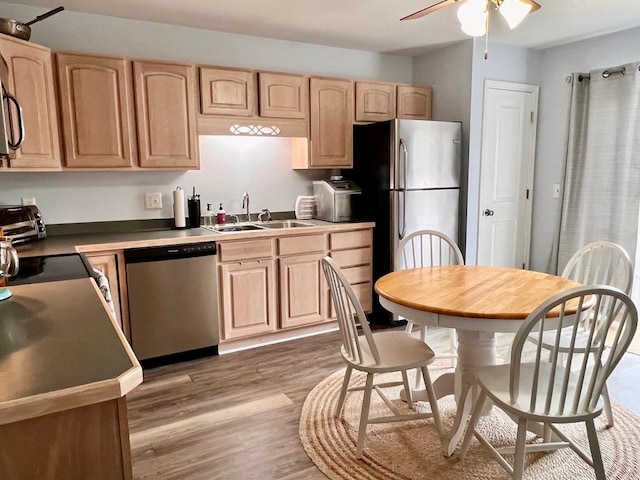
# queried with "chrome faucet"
point(265, 211)
point(245, 204)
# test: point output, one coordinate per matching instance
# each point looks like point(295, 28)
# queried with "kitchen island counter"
point(65, 368)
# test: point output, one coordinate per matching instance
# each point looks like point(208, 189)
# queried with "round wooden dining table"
point(478, 301)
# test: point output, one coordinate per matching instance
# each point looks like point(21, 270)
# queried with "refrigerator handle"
point(403, 154)
point(402, 218)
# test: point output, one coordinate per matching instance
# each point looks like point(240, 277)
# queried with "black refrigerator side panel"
point(372, 157)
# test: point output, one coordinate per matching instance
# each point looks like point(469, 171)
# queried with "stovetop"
point(50, 268)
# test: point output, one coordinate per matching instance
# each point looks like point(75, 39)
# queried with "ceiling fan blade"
point(432, 8)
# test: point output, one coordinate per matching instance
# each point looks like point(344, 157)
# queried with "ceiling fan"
point(473, 14)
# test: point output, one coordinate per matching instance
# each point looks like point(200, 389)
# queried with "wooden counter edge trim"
point(222, 237)
point(66, 399)
point(119, 332)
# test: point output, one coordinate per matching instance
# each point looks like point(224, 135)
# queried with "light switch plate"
point(28, 200)
point(556, 190)
point(153, 201)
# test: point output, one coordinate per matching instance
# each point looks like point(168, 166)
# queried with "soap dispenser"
point(209, 217)
point(221, 217)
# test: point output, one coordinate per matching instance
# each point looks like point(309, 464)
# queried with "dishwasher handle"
point(169, 252)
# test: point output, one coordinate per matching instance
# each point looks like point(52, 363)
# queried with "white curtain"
point(602, 172)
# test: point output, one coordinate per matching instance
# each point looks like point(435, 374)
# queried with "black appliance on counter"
point(22, 223)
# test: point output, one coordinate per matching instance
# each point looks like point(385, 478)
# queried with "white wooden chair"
point(597, 263)
point(540, 388)
point(389, 351)
point(430, 248)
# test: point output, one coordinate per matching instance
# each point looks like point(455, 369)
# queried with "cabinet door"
point(248, 298)
point(31, 82)
point(166, 115)
point(108, 265)
point(414, 102)
point(331, 123)
point(302, 290)
point(96, 104)
point(283, 96)
point(227, 92)
point(375, 102)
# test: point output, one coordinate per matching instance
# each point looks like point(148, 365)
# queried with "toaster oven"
point(23, 223)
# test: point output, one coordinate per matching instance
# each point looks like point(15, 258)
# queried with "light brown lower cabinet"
point(85, 442)
point(112, 266)
point(302, 292)
point(353, 254)
point(256, 299)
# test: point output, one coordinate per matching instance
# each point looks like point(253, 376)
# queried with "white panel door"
point(506, 174)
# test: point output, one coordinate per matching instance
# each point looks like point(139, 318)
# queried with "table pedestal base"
point(475, 349)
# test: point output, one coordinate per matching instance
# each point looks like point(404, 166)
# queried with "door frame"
point(531, 154)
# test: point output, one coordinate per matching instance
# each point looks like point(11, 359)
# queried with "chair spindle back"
point(427, 248)
point(349, 312)
point(601, 263)
point(574, 385)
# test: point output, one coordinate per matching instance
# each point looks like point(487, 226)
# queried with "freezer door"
point(428, 154)
point(424, 210)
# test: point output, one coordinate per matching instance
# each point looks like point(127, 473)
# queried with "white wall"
point(228, 169)
point(555, 95)
point(458, 73)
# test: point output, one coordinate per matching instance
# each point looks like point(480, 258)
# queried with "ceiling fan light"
point(471, 10)
point(514, 11)
point(475, 28)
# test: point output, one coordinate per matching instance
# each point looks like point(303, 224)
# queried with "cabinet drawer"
point(351, 258)
point(247, 250)
point(358, 274)
point(363, 292)
point(303, 244)
point(344, 240)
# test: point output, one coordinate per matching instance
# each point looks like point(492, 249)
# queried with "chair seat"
point(495, 381)
point(398, 351)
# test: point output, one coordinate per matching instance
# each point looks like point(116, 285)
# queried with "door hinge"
point(532, 116)
point(527, 194)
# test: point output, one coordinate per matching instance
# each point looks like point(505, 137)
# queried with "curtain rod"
point(606, 73)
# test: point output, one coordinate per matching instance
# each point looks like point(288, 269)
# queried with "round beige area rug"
point(412, 450)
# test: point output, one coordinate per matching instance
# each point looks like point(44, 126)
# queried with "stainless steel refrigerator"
point(409, 173)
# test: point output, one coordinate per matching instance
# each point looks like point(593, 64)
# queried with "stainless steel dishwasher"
point(173, 302)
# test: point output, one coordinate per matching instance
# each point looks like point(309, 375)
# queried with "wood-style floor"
point(235, 416)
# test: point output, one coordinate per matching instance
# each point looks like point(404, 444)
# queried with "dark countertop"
point(96, 242)
point(60, 349)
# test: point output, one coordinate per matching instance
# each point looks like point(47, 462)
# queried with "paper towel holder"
point(179, 212)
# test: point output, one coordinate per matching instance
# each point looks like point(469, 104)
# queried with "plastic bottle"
point(221, 217)
point(209, 217)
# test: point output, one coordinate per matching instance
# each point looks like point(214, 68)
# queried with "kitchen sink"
point(286, 224)
point(234, 228)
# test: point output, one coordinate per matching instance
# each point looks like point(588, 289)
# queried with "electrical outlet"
point(153, 201)
point(28, 200)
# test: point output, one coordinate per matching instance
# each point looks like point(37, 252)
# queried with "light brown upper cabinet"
point(331, 123)
point(165, 98)
point(96, 106)
point(414, 102)
point(375, 102)
point(230, 92)
point(30, 80)
point(283, 95)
